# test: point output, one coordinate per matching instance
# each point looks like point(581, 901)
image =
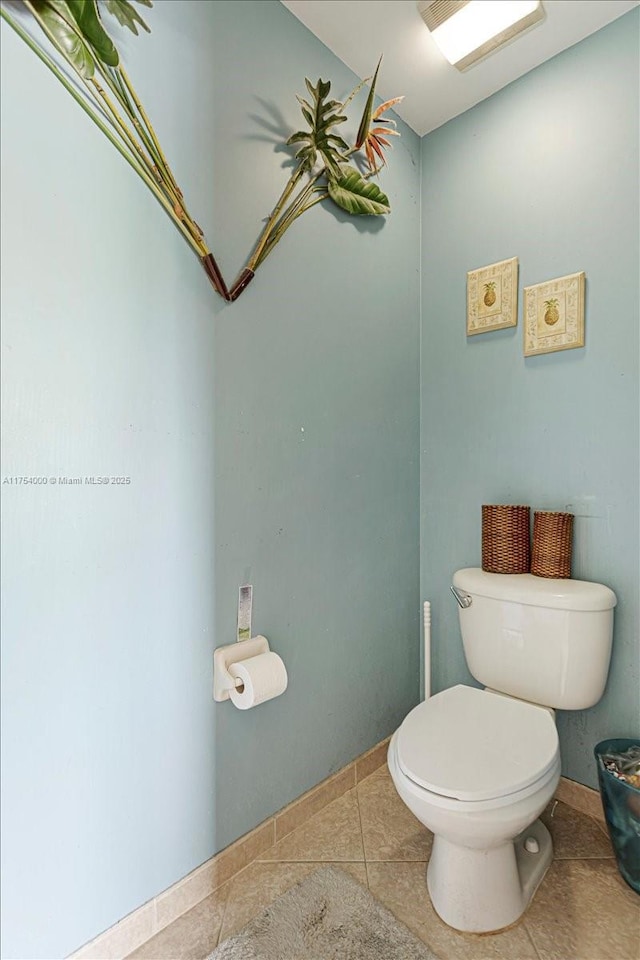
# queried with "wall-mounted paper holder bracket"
point(223, 657)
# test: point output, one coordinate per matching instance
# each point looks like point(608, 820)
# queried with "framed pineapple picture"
point(492, 297)
point(554, 315)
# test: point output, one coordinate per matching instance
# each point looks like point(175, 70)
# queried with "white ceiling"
point(358, 31)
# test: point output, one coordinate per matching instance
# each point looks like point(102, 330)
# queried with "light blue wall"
point(119, 773)
point(546, 170)
point(274, 441)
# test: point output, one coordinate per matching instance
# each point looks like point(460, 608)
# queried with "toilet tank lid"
point(535, 591)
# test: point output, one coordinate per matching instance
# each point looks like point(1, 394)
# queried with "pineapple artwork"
point(492, 297)
point(551, 314)
point(554, 315)
point(489, 293)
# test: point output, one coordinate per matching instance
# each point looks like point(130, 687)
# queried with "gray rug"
point(328, 916)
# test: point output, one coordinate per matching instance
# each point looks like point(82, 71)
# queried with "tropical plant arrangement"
point(95, 77)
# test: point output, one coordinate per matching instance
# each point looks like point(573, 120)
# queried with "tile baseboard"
point(144, 923)
point(581, 798)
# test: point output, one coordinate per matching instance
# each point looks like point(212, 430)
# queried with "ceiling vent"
point(467, 31)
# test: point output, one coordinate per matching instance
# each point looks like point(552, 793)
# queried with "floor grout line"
point(531, 939)
point(423, 862)
point(292, 863)
point(364, 849)
point(604, 856)
point(224, 911)
point(601, 826)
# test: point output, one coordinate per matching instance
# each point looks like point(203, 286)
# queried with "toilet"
point(478, 766)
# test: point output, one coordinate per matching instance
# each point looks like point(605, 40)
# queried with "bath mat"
point(328, 916)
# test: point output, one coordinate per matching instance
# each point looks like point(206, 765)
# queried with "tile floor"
point(582, 911)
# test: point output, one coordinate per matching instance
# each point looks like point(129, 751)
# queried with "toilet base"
point(481, 891)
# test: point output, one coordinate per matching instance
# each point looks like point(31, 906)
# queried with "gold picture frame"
point(492, 297)
point(554, 315)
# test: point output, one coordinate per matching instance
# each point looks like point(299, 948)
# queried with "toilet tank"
point(547, 641)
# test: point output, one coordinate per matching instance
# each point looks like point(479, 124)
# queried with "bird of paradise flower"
point(373, 138)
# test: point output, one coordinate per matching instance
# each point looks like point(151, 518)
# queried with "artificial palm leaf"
point(57, 19)
point(85, 14)
point(126, 14)
point(356, 195)
point(321, 115)
point(105, 93)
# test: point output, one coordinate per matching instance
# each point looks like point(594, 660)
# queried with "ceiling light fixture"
point(469, 30)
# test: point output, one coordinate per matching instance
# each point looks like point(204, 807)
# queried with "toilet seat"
point(473, 745)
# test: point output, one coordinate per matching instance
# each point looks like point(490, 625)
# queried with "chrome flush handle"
point(464, 599)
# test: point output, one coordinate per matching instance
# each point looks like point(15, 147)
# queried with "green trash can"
point(621, 803)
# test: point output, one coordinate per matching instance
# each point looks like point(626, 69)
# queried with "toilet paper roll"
point(264, 677)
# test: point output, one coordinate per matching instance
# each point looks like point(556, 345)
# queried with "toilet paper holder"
point(223, 657)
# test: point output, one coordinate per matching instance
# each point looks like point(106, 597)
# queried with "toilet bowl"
point(477, 769)
point(478, 766)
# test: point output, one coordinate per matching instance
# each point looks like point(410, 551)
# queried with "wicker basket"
point(505, 538)
point(552, 544)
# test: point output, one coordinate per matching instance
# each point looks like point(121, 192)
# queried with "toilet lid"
point(474, 745)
